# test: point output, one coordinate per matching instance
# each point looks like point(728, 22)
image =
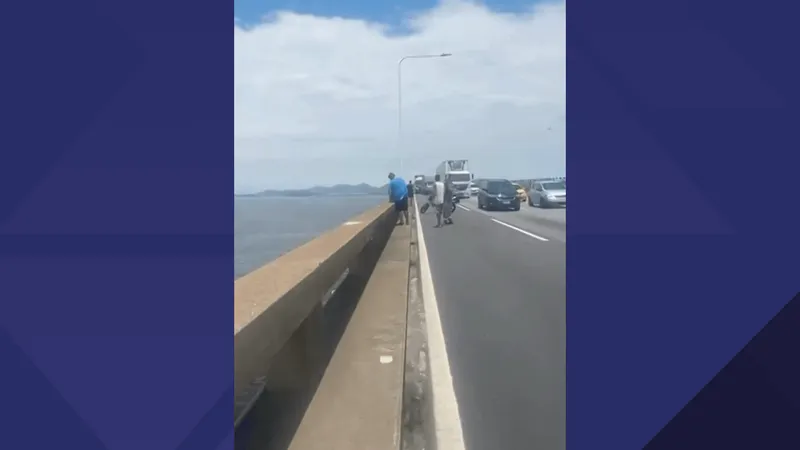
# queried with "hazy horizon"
point(316, 93)
point(236, 192)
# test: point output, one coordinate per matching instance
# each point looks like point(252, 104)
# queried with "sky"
point(316, 90)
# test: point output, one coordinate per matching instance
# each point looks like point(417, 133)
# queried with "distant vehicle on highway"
point(544, 194)
point(521, 194)
point(460, 176)
point(419, 183)
point(473, 188)
point(497, 193)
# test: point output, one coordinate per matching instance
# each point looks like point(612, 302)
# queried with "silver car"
point(544, 194)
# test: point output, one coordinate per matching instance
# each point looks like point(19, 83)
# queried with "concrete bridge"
point(376, 336)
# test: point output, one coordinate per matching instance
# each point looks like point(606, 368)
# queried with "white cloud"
point(316, 97)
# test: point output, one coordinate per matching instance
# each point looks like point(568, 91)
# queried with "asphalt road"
point(550, 222)
point(499, 279)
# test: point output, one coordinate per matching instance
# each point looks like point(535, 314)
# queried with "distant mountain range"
point(321, 191)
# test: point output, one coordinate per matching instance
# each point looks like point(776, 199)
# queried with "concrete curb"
point(439, 406)
point(418, 432)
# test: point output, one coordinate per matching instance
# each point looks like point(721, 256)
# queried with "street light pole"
point(400, 99)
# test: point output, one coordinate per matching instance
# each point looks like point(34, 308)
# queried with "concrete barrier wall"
point(277, 307)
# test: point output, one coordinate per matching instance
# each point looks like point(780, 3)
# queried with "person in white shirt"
point(438, 199)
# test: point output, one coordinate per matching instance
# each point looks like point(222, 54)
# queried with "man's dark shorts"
point(401, 205)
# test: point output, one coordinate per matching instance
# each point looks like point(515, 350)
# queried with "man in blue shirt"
point(398, 194)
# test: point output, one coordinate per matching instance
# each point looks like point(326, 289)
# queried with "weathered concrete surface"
point(418, 415)
point(358, 403)
point(296, 371)
point(271, 303)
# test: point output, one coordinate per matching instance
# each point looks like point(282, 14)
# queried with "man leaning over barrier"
point(398, 194)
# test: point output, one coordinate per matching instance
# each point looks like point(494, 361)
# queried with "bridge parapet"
point(297, 318)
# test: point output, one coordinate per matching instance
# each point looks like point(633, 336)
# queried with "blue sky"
point(316, 90)
point(385, 11)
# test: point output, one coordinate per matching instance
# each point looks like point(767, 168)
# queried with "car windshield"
point(460, 177)
point(557, 186)
point(500, 187)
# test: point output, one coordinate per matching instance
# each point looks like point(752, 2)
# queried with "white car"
point(544, 194)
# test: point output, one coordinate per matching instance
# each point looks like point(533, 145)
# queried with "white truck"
point(419, 183)
point(460, 176)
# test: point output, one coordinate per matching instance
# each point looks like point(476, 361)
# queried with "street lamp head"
point(444, 55)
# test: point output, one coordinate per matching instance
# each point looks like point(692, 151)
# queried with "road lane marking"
point(447, 420)
point(526, 233)
point(464, 208)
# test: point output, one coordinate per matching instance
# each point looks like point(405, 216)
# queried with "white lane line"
point(464, 208)
point(449, 435)
point(526, 233)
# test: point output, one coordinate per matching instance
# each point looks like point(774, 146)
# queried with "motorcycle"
point(427, 205)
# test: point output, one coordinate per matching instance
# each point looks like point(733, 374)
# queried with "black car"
point(497, 194)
